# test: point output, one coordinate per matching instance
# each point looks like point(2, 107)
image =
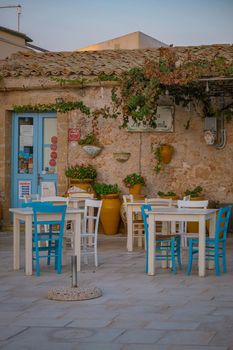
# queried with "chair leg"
point(37, 259)
point(178, 243)
point(173, 255)
point(49, 227)
point(190, 256)
point(216, 261)
point(96, 256)
point(59, 256)
point(224, 262)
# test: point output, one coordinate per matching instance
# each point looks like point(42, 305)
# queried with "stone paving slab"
point(136, 311)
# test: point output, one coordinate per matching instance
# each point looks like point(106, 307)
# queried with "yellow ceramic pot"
point(166, 152)
point(110, 213)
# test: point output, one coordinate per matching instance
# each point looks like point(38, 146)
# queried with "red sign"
point(53, 147)
point(52, 162)
point(53, 155)
point(74, 134)
point(54, 139)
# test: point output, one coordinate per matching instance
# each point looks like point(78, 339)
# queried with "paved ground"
point(136, 311)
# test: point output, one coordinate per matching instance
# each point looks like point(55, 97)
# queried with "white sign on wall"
point(24, 189)
point(164, 121)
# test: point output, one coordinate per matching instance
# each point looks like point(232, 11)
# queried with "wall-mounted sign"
point(24, 188)
point(74, 134)
point(164, 121)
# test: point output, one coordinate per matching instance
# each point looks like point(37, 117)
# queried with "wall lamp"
point(59, 100)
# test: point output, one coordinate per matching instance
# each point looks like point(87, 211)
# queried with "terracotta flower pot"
point(135, 189)
point(166, 152)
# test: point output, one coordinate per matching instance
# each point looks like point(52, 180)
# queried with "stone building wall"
point(194, 163)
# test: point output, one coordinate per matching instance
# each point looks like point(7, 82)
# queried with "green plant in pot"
point(134, 183)
point(169, 194)
point(81, 175)
point(195, 193)
point(110, 210)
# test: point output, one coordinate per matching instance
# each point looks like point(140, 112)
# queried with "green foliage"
point(104, 189)
point(134, 179)
point(196, 192)
point(81, 172)
point(158, 157)
point(107, 77)
point(90, 139)
point(164, 194)
point(61, 107)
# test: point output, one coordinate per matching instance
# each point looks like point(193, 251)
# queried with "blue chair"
point(167, 246)
point(215, 247)
point(53, 235)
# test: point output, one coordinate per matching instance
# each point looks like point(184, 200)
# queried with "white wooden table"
point(182, 214)
point(26, 215)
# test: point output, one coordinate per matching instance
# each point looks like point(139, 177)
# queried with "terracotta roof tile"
point(77, 64)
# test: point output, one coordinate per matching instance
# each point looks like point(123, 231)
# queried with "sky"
point(64, 25)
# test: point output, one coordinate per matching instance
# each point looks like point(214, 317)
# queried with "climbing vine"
point(136, 97)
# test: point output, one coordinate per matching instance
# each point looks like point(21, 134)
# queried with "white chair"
point(89, 232)
point(165, 227)
point(159, 202)
point(28, 198)
point(138, 225)
point(48, 188)
point(56, 199)
point(183, 225)
point(90, 227)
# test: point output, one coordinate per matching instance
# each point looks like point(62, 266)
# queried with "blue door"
point(34, 154)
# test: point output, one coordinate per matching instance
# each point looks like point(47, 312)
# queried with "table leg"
point(129, 229)
point(16, 243)
point(151, 246)
point(28, 245)
point(201, 259)
point(77, 239)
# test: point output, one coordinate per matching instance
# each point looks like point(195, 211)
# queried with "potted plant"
point(134, 182)
point(90, 145)
point(81, 175)
point(195, 194)
point(169, 194)
point(110, 210)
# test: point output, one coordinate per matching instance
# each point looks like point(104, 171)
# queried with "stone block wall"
point(194, 163)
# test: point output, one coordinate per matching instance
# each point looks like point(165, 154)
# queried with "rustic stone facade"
point(193, 163)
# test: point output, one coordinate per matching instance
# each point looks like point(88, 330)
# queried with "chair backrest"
point(192, 204)
point(91, 216)
point(55, 199)
point(127, 198)
point(144, 209)
point(48, 188)
point(28, 198)
point(47, 214)
point(159, 202)
point(222, 223)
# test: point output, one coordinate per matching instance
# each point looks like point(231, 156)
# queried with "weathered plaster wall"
point(194, 163)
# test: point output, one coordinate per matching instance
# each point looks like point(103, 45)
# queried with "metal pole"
point(74, 277)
